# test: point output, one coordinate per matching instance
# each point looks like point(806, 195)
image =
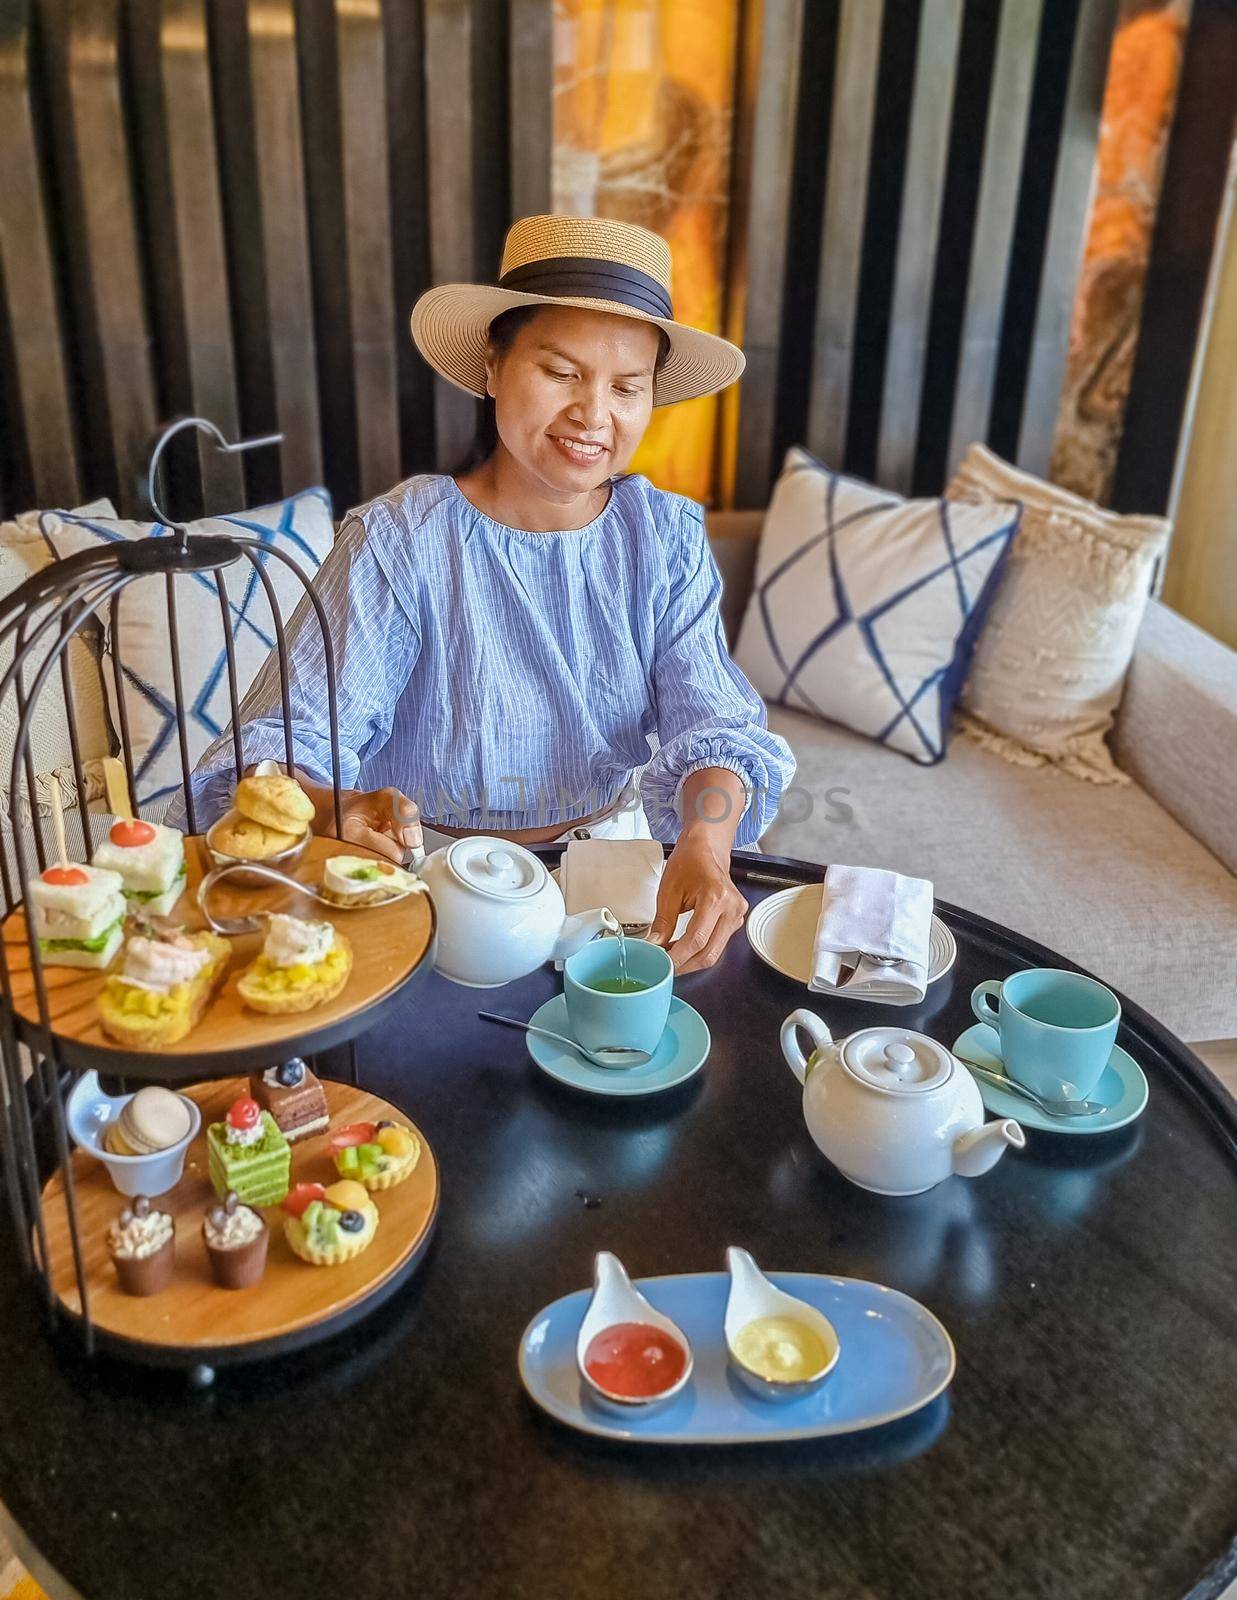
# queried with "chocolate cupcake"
point(142, 1242)
point(236, 1239)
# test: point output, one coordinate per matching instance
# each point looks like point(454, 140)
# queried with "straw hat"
point(573, 261)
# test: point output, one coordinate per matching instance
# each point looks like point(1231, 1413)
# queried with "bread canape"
point(303, 964)
point(165, 983)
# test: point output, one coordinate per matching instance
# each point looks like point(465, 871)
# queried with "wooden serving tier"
point(193, 1320)
point(389, 944)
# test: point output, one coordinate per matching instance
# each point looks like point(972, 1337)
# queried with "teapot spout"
point(576, 931)
point(979, 1151)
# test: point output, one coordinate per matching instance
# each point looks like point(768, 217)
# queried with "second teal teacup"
point(634, 1020)
point(1057, 1029)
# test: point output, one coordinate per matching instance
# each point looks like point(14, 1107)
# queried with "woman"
point(508, 639)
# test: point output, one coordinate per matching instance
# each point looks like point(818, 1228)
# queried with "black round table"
point(1086, 1448)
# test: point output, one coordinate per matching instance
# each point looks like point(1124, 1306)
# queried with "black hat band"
point(585, 276)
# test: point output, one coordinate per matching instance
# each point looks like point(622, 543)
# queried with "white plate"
point(782, 932)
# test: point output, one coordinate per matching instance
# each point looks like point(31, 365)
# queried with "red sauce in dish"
point(66, 877)
point(634, 1360)
point(128, 835)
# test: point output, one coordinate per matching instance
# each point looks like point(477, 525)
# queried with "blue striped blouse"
point(504, 679)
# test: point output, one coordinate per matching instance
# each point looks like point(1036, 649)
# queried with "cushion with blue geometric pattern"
point(866, 607)
point(300, 526)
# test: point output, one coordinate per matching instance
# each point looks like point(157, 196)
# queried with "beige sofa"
point(1134, 882)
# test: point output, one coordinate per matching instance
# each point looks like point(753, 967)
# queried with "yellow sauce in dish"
point(781, 1349)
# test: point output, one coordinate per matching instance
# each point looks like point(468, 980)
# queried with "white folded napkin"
point(623, 874)
point(880, 924)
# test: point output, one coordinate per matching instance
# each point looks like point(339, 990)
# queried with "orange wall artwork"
point(643, 96)
point(1138, 106)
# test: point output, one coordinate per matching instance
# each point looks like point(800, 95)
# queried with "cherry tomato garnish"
point(65, 876)
point(244, 1113)
point(129, 834)
point(301, 1196)
point(354, 1133)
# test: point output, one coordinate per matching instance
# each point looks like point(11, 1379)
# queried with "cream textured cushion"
point(301, 526)
point(1101, 875)
point(23, 552)
point(1047, 672)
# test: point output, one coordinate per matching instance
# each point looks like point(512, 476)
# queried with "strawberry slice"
point(354, 1133)
point(301, 1196)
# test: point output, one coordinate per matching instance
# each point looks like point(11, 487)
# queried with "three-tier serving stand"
point(59, 1197)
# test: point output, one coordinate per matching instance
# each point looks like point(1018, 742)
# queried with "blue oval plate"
point(895, 1358)
point(1122, 1089)
point(683, 1050)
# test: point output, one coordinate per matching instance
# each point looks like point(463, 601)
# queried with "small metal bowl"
point(284, 860)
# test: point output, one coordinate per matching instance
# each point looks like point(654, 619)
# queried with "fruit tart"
point(376, 1154)
point(326, 1226)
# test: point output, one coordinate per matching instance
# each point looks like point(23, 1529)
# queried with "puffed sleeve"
point(376, 641)
point(708, 714)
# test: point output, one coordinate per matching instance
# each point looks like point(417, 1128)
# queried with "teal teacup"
point(631, 1021)
point(1057, 1029)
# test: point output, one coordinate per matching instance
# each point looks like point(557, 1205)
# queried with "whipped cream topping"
point(140, 1236)
point(160, 965)
point(241, 1227)
point(244, 1136)
point(290, 941)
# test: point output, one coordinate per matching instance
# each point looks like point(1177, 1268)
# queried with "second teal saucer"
point(1122, 1089)
point(683, 1050)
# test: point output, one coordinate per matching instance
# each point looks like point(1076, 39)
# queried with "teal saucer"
point(1122, 1089)
point(683, 1050)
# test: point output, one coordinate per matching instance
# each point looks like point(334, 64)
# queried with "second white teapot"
point(892, 1109)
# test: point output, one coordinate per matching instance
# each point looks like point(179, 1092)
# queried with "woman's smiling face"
point(573, 394)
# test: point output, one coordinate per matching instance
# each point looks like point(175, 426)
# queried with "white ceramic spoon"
point(752, 1296)
point(615, 1300)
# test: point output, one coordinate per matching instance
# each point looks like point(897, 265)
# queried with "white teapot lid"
point(496, 867)
point(897, 1060)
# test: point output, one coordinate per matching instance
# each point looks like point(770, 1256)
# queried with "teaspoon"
point(607, 1056)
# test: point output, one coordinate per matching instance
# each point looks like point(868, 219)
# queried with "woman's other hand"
point(697, 879)
point(383, 820)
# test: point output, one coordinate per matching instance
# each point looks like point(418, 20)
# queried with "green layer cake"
point(259, 1172)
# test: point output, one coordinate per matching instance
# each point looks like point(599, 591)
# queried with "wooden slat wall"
point(841, 244)
point(229, 206)
point(1014, 236)
point(1004, 144)
point(40, 386)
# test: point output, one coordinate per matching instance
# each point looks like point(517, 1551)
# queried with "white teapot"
point(500, 913)
point(893, 1110)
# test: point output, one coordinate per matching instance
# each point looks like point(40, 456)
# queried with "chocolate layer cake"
point(294, 1097)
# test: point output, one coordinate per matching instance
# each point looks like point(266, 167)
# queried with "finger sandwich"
point(150, 859)
point(78, 915)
